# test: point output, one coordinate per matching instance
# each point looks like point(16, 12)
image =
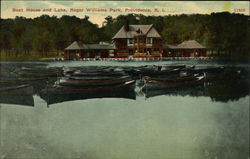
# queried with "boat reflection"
point(59, 84)
point(20, 94)
point(54, 95)
point(230, 89)
point(24, 100)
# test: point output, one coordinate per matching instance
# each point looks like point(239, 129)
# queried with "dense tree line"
point(217, 31)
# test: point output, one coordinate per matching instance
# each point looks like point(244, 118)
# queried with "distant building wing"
point(169, 46)
point(77, 45)
point(190, 44)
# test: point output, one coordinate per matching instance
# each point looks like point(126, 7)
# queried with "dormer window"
point(138, 31)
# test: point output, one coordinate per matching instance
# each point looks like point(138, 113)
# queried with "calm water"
point(194, 124)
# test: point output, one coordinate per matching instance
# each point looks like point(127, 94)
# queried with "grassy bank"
point(28, 57)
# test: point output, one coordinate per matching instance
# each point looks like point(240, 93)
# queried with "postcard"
point(124, 79)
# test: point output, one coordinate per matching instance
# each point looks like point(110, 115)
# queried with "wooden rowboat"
point(57, 93)
point(23, 80)
point(38, 72)
point(77, 74)
point(176, 79)
point(64, 81)
point(153, 72)
point(53, 95)
point(173, 83)
point(58, 89)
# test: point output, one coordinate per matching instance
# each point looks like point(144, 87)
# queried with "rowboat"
point(77, 74)
point(94, 72)
point(24, 89)
point(175, 79)
point(39, 72)
point(4, 72)
point(129, 85)
point(22, 80)
point(181, 66)
point(152, 83)
point(153, 72)
point(35, 69)
point(64, 81)
point(89, 69)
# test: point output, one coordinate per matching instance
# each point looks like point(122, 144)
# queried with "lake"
point(210, 122)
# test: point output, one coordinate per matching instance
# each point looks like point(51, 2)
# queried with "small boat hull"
point(153, 73)
point(152, 84)
point(58, 89)
point(92, 82)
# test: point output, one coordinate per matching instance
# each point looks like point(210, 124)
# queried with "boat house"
point(138, 41)
point(78, 50)
point(134, 41)
point(190, 48)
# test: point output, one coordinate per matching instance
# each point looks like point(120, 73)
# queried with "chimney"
point(126, 26)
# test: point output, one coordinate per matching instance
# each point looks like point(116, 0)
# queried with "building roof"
point(170, 46)
point(78, 45)
point(135, 30)
point(189, 44)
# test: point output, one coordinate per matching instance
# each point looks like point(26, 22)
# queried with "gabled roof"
point(78, 45)
point(75, 46)
point(135, 30)
point(170, 46)
point(190, 44)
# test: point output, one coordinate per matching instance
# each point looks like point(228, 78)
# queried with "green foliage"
point(218, 31)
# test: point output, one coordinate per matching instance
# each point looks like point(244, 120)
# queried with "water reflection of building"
point(135, 41)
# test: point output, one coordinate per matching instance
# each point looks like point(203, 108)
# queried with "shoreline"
point(141, 59)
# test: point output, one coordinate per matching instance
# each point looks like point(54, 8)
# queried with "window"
point(130, 41)
point(149, 40)
point(130, 52)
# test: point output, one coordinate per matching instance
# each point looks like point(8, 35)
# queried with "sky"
point(11, 9)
